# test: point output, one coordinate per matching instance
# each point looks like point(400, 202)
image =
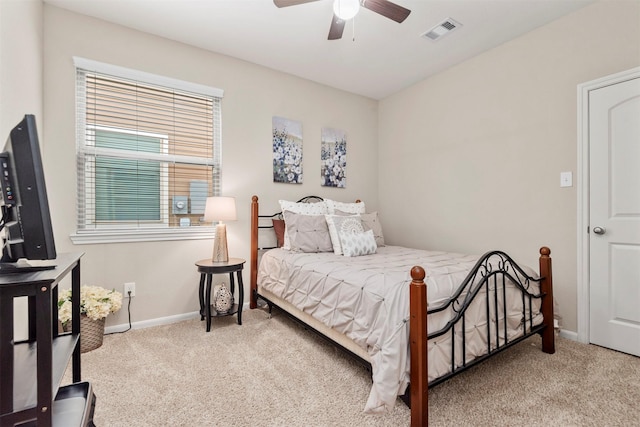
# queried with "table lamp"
point(220, 209)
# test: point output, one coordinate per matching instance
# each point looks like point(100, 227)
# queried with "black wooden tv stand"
point(31, 371)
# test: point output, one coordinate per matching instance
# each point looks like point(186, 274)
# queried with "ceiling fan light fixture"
point(346, 9)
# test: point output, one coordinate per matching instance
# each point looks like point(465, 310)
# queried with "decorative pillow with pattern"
point(317, 208)
point(349, 208)
point(342, 223)
point(370, 221)
point(357, 244)
point(308, 233)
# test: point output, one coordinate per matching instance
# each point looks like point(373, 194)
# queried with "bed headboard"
point(266, 222)
point(256, 226)
point(258, 222)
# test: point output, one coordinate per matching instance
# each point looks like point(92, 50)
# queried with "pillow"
point(307, 233)
point(318, 208)
point(357, 244)
point(370, 221)
point(340, 224)
point(349, 208)
point(278, 227)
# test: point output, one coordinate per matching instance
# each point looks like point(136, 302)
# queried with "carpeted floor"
point(272, 372)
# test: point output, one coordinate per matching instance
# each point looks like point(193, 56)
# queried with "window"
point(148, 155)
point(125, 189)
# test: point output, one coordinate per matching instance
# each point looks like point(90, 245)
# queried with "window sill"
point(130, 236)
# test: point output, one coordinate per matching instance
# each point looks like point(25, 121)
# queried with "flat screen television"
point(26, 220)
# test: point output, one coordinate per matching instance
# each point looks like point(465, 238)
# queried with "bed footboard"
point(419, 385)
point(546, 288)
point(479, 279)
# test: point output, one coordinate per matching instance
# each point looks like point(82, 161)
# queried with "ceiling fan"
point(344, 10)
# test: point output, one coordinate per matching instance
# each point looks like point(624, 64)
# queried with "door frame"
point(583, 278)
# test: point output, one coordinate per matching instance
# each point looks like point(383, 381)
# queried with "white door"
point(614, 216)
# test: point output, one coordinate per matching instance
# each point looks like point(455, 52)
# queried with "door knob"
point(599, 230)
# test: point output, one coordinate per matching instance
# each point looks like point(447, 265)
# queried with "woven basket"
point(91, 333)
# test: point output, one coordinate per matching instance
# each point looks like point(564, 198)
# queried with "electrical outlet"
point(129, 289)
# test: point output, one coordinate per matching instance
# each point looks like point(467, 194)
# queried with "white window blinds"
point(148, 153)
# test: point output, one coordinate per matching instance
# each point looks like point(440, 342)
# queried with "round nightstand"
point(207, 269)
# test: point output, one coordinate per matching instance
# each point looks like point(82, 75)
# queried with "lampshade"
point(220, 209)
point(346, 9)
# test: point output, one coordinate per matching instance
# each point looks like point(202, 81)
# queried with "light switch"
point(566, 179)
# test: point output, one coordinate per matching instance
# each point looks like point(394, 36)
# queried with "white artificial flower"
point(95, 302)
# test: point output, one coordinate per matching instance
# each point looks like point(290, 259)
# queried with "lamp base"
point(220, 252)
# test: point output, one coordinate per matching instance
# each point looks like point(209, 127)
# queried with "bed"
point(416, 317)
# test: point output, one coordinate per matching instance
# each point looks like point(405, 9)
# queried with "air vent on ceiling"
point(441, 29)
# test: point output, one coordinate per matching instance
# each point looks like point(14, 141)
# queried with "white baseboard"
point(570, 335)
point(153, 322)
point(159, 321)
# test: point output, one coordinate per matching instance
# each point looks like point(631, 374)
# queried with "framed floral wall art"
point(287, 150)
point(333, 156)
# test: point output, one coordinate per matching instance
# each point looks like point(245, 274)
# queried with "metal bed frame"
point(489, 276)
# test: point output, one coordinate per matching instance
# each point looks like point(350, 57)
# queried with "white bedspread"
point(367, 299)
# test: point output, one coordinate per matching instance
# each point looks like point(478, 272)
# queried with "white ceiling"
point(384, 58)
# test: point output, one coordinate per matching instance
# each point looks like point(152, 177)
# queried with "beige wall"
point(480, 147)
point(164, 272)
point(21, 47)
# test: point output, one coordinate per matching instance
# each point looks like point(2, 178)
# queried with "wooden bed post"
point(253, 303)
point(418, 342)
point(546, 288)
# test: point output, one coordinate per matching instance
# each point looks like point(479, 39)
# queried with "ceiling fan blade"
point(287, 3)
point(387, 9)
point(336, 29)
